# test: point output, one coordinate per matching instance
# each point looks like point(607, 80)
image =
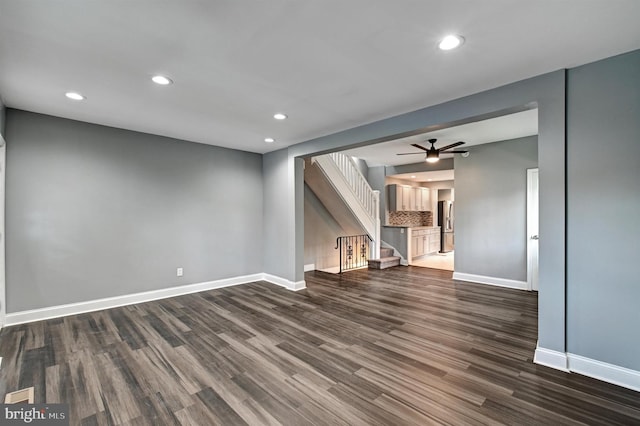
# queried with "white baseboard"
point(32, 315)
point(310, 267)
point(500, 282)
point(611, 373)
point(289, 285)
point(573, 363)
point(551, 358)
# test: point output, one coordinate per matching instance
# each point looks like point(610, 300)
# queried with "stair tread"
point(384, 262)
point(383, 259)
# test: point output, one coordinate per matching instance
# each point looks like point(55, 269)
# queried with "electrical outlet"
point(179, 272)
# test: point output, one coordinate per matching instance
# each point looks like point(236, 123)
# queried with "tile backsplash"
point(411, 218)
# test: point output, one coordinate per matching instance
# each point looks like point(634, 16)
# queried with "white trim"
point(22, 317)
point(3, 292)
point(532, 227)
point(310, 267)
point(551, 358)
point(500, 282)
point(610, 373)
point(289, 285)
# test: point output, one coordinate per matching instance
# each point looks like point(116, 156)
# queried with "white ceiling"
point(329, 64)
point(433, 176)
point(502, 128)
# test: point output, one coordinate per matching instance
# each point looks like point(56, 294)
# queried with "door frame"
point(3, 294)
point(533, 220)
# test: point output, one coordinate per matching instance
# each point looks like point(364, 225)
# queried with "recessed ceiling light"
point(413, 177)
point(161, 79)
point(429, 180)
point(75, 96)
point(279, 116)
point(451, 42)
point(269, 140)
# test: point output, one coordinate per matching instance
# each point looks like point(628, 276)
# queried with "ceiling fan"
point(433, 153)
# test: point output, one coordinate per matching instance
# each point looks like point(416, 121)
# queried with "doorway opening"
point(444, 223)
point(417, 196)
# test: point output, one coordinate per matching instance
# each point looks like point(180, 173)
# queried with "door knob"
point(534, 237)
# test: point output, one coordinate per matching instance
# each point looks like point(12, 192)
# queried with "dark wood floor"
point(400, 346)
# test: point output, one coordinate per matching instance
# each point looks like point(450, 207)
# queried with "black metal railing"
point(354, 251)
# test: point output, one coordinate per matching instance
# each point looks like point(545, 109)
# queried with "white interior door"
point(532, 229)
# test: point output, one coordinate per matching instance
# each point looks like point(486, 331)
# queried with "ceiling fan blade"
point(453, 152)
point(421, 147)
point(453, 145)
point(411, 153)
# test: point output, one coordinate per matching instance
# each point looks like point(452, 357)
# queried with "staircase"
point(386, 260)
point(359, 201)
point(356, 193)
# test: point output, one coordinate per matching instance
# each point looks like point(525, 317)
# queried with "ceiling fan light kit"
point(432, 157)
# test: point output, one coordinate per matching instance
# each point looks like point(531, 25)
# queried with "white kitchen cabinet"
point(416, 246)
point(408, 198)
point(419, 243)
point(425, 241)
point(425, 199)
point(400, 198)
point(425, 244)
point(434, 241)
point(416, 204)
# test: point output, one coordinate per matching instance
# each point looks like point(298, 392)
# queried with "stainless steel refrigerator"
point(445, 222)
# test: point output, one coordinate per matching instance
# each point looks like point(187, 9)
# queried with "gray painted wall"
point(277, 180)
point(320, 233)
point(95, 212)
point(397, 238)
point(362, 166)
point(491, 208)
point(444, 195)
point(603, 232)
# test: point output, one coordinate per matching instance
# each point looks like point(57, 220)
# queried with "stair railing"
point(354, 251)
point(357, 181)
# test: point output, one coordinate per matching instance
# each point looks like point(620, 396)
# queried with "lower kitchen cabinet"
point(434, 242)
point(420, 245)
point(425, 241)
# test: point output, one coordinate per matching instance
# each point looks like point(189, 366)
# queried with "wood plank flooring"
point(402, 346)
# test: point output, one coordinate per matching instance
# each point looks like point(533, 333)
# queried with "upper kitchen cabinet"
point(417, 198)
point(408, 198)
point(425, 199)
point(399, 197)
